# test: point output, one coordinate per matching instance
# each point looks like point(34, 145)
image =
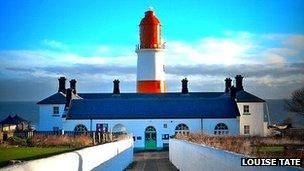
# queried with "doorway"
point(150, 138)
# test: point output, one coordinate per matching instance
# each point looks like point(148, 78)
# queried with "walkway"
point(156, 160)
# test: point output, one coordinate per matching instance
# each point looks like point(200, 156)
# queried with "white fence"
point(195, 157)
point(113, 156)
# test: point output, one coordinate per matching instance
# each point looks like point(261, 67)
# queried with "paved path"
point(156, 160)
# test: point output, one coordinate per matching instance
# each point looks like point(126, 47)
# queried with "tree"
point(296, 103)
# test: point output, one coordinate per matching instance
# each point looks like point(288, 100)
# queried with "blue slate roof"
point(152, 108)
point(158, 95)
point(57, 98)
point(244, 96)
point(13, 120)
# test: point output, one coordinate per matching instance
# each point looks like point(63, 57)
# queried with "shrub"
point(256, 146)
point(16, 141)
point(60, 140)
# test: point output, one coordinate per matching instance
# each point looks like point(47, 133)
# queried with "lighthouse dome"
point(149, 19)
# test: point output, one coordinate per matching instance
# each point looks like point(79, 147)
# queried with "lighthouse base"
point(151, 86)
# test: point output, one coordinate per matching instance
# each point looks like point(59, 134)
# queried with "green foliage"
point(28, 153)
point(296, 102)
point(16, 141)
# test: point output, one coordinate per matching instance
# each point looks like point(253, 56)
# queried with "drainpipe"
point(267, 112)
point(202, 127)
point(91, 125)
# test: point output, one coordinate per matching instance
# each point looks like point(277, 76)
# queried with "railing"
point(97, 137)
point(152, 46)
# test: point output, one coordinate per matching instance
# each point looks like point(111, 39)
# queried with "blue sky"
point(94, 41)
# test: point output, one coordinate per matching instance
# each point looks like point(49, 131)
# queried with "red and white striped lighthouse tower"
point(150, 56)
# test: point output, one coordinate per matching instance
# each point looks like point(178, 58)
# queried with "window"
point(246, 110)
point(221, 129)
point(55, 110)
point(246, 129)
point(139, 138)
point(165, 125)
point(150, 128)
point(80, 129)
point(182, 129)
point(165, 136)
point(102, 127)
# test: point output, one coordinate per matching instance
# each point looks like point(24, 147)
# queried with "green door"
point(150, 138)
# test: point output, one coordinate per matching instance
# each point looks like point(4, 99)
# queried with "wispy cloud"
point(273, 61)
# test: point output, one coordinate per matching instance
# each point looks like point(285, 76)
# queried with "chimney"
point(227, 84)
point(116, 87)
point(73, 85)
point(68, 98)
point(232, 92)
point(185, 86)
point(62, 85)
point(239, 82)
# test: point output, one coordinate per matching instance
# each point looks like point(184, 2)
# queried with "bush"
point(60, 140)
point(254, 145)
point(16, 141)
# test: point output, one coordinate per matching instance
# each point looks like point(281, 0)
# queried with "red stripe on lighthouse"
point(150, 86)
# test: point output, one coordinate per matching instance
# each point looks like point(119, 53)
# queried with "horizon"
point(206, 42)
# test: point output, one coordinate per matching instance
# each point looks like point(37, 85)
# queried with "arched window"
point(80, 128)
point(150, 128)
point(221, 128)
point(182, 129)
point(119, 129)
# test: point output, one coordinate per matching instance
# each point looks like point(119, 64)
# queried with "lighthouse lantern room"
point(150, 56)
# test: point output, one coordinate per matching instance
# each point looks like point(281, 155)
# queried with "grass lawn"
point(28, 153)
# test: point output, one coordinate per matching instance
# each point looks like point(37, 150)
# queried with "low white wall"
point(112, 156)
point(190, 156)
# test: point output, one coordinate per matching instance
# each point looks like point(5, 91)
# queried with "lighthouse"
point(150, 56)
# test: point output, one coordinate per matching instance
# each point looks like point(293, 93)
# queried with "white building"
point(151, 115)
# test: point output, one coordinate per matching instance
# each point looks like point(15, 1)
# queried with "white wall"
point(189, 156)
point(255, 120)
point(46, 118)
point(112, 156)
point(137, 127)
point(150, 64)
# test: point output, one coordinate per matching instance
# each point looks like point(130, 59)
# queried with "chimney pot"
point(185, 86)
point(116, 87)
point(227, 84)
point(61, 87)
point(239, 82)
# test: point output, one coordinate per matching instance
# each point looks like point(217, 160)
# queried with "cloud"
point(55, 44)
point(275, 59)
point(272, 64)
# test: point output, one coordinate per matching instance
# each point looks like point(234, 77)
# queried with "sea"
point(30, 112)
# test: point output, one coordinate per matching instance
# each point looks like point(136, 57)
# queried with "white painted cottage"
point(154, 116)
